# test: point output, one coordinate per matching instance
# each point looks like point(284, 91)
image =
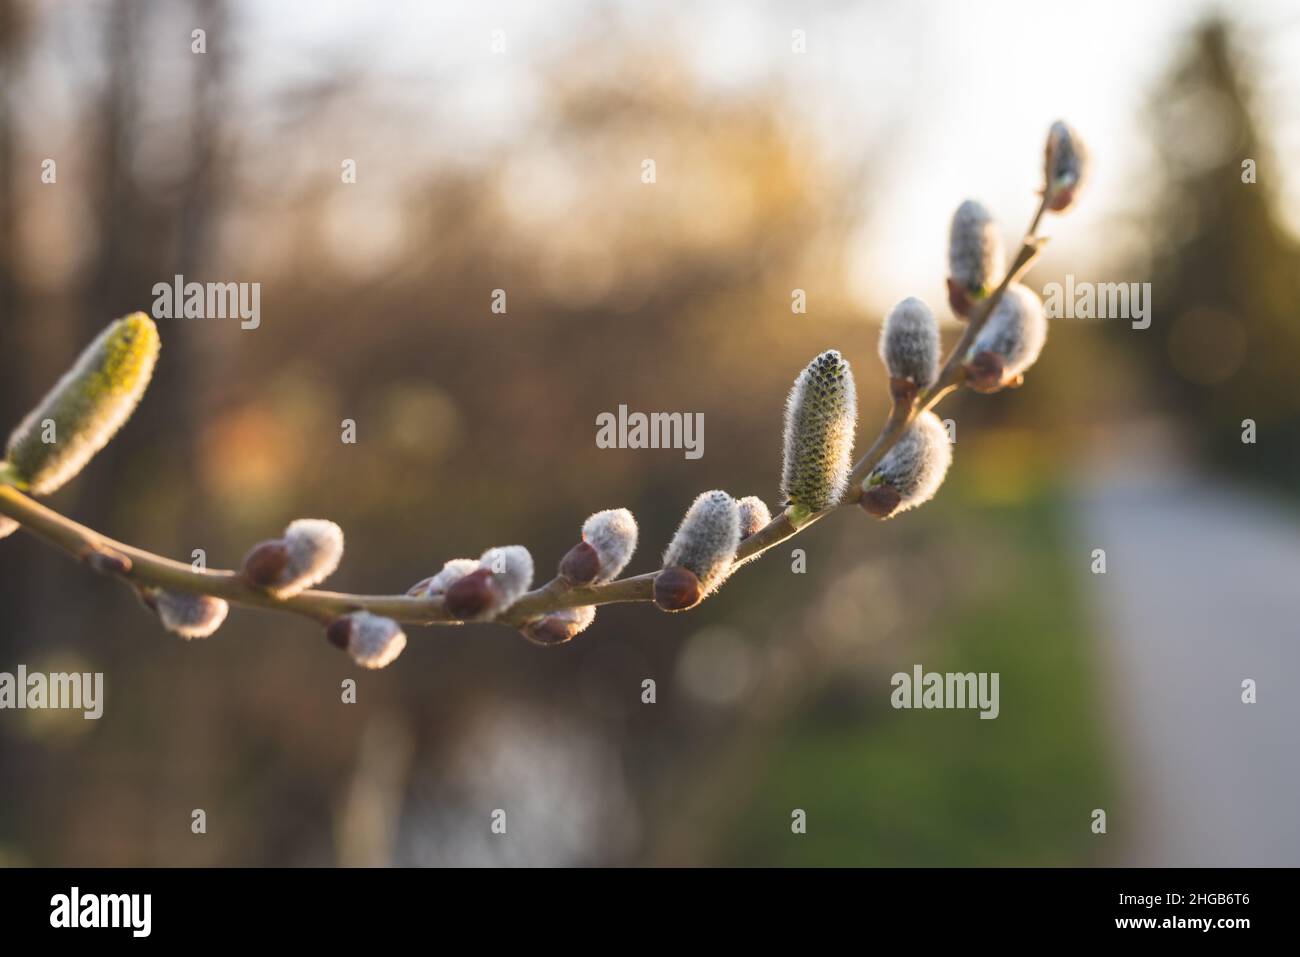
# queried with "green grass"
point(942, 787)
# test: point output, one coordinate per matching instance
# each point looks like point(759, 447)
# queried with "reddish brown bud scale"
point(580, 565)
point(677, 589)
point(984, 372)
point(549, 631)
point(1061, 200)
point(880, 500)
point(959, 299)
point(265, 562)
point(471, 596)
point(902, 391)
point(339, 632)
point(559, 626)
point(107, 562)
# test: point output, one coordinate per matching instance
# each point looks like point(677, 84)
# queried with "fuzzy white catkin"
point(707, 539)
point(821, 415)
point(7, 526)
point(1016, 330)
point(975, 256)
point(754, 515)
point(512, 572)
point(452, 571)
point(612, 533)
point(374, 641)
point(315, 549)
point(917, 463)
point(909, 343)
point(190, 616)
point(577, 619)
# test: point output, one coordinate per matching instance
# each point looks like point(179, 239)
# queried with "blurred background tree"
point(1225, 269)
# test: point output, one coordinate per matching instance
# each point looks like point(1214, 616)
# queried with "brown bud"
point(677, 589)
point(984, 372)
point(902, 391)
point(106, 561)
point(339, 631)
point(1061, 199)
point(580, 565)
point(263, 565)
point(959, 299)
point(472, 595)
point(549, 630)
point(880, 500)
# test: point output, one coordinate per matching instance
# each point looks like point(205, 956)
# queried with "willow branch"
point(145, 569)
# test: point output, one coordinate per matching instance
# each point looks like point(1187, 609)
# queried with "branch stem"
point(147, 569)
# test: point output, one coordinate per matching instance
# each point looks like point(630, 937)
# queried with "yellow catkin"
point(86, 407)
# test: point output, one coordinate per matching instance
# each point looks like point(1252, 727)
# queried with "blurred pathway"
point(1202, 590)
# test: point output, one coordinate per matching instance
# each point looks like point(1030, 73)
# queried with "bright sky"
point(963, 92)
